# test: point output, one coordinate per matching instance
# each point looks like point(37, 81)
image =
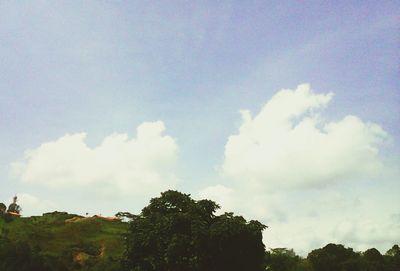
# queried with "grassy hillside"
point(67, 241)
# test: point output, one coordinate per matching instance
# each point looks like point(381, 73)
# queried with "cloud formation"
point(299, 174)
point(120, 165)
point(288, 145)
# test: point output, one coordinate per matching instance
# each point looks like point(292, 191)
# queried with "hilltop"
point(66, 241)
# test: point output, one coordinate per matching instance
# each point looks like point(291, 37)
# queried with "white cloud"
point(327, 216)
point(119, 165)
point(222, 195)
point(366, 233)
point(287, 144)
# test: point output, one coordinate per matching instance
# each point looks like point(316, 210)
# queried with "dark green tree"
point(373, 260)
point(20, 256)
point(281, 259)
point(332, 257)
point(392, 258)
point(394, 251)
point(176, 233)
point(3, 208)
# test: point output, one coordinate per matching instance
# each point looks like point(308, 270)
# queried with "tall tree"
point(176, 233)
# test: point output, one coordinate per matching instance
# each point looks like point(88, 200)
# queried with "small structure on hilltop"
point(14, 209)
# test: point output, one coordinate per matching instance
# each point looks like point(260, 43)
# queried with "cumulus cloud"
point(293, 170)
point(119, 165)
point(312, 233)
point(287, 144)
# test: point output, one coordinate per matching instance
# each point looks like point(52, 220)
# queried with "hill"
point(64, 241)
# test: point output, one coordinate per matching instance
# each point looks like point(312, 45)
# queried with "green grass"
point(54, 237)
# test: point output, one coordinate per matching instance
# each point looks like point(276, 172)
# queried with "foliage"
point(335, 257)
point(373, 260)
point(58, 244)
point(392, 258)
point(3, 208)
point(394, 251)
point(124, 215)
point(175, 232)
point(281, 259)
point(332, 257)
point(20, 256)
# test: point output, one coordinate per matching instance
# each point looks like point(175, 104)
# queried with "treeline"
point(333, 257)
point(177, 233)
point(22, 256)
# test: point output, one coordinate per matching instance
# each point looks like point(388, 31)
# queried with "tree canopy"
point(175, 232)
point(281, 259)
point(332, 257)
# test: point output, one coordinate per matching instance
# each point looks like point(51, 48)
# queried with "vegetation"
point(60, 241)
point(178, 233)
point(173, 233)
point(334, 257)
point(3, 208)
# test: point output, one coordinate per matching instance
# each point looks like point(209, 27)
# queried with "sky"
point(282, 111)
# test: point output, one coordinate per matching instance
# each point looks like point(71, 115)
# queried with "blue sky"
point(104, 68)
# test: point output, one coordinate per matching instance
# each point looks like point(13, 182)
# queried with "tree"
point(332, 257)
point(3, 208)
point(394, 251)
point(176, 233)
point(392, 258)
point(124, 215)
point(20, 256)
point(281, 259)
point(373, 260)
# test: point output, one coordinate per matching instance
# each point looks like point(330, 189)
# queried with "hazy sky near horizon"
point(286, 112)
